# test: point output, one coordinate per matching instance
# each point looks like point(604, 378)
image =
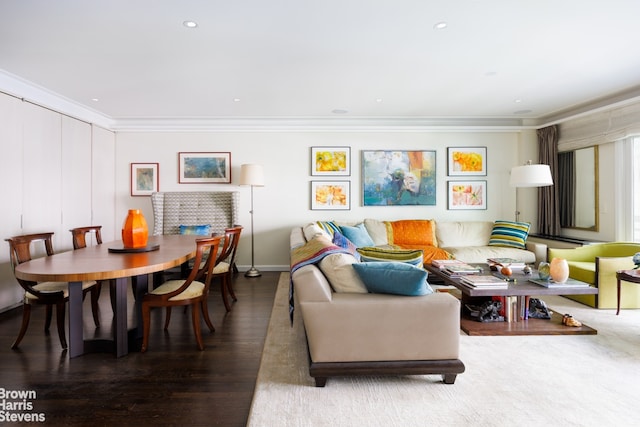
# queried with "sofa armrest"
point(539, 249)
point(377, 327)
point(606, 282)
point(311, 285)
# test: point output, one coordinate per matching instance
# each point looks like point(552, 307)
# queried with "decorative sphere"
point(636, 259)
point(506, 271)
point(544, 270)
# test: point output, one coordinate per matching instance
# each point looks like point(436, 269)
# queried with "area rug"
point(509, 381)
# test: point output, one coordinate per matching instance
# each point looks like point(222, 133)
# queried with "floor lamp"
point(252, 175)
point(529, 175)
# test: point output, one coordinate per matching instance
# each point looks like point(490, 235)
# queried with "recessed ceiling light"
point(378, 100)
point(190, 24)
point(95, 99)
point(440, 25)
point(517, 101)
point(339, 111)
point(236, 99)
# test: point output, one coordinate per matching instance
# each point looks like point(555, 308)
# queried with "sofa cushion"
point(583, 271)
point(463, 233)
point(328, 227)
point(393, 278)
point(510, 234)
point(340, 240)
point(376, 254)
point(312, 230)
point(197, 230)
point(377, 230)
point(338, 270)
point(413, 232)
point(358, 235)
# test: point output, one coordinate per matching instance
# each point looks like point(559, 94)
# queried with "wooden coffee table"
point(521, 287)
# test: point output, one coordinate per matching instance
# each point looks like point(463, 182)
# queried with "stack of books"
point(513, 263)
point(484, 282)
point(570, 283)
point(459, 269)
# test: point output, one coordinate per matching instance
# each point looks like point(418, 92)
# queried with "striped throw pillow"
point(408, 256)
point(510, 234)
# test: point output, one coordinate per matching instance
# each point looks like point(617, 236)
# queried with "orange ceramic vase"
point(134, 230)
point(559, 270)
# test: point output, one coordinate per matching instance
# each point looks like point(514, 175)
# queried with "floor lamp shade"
point(253, 175)
point(531, 176)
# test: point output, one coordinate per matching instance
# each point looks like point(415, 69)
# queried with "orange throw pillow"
point(413, 232)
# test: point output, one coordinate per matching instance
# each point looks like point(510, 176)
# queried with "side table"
point(632, 276)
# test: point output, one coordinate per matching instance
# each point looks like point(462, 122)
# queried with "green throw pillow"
point(197, 230)
point(409, 256)
point(393, 278)
point(510, 234)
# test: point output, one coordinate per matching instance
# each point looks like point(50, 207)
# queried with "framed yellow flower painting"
point(330, 161)
point(330, 195)
point(467, 161)
point(467, 194)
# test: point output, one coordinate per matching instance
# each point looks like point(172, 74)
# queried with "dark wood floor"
point(172, 384)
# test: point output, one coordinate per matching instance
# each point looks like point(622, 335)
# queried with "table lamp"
point(529, 175)
point(252, 174)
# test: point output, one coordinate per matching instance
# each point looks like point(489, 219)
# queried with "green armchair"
point(597, 265)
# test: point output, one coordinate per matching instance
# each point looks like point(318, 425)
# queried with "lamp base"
point(252, 272)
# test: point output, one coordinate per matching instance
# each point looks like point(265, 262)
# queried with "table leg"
point(618, 311)
point(76, 339)
point(141, 288)
point(120, 317)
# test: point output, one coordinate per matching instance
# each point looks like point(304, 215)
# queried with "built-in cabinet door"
point(104, 184)
point(42, 186)
point(76, 178)
point(11, 179)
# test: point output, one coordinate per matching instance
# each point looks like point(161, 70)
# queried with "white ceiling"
point(533, 61)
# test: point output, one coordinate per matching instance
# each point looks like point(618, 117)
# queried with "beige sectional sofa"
point(350, 333)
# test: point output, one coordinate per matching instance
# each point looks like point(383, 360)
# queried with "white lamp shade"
point(251, 174)
point(531, 176)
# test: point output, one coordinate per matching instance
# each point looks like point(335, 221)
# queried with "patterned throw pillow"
point(198, 230)
point(393, 278)
point(328, 227)
point(407, 256)
point(510, 234)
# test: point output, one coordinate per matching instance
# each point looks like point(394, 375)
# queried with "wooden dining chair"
point(79, 238)
point(192, 291)
point(224, 269)
point(46, 293)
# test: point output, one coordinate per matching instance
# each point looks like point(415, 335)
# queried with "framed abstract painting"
point(467, 194)
point(395, 178)
point(204, 168)
point(467, 161)
point(144, 179)
point(330, 195)
point(331, 161)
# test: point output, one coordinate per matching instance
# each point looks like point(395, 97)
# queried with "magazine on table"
point(570, 283)
point(484, 282)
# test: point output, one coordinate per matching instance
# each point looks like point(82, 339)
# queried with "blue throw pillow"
point(343, 242)
point(358, 235)
point(197, 230)
point(393, 278)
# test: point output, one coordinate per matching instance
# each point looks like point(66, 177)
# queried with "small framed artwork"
point(467, 194)
point(330, 195)
point(144, 179)
point(331, 161)
point(467, 161)
point(204, 168)
point(398, 178)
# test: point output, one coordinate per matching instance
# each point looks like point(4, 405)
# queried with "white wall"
point(284, 201)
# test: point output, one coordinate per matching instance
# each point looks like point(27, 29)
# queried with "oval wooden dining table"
point(99, 263)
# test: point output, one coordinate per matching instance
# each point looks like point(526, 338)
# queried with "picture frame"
point(467, 195)
point(396, 178)
point(330, 195)
point(467, 161)
point(204, 168)
point(330, 161)
point(144, 179)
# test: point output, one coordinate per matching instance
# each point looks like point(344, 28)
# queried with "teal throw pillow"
point(343, 242)
point(358, 235)
point(393, 278)
point(510, 234)
point(197, 230)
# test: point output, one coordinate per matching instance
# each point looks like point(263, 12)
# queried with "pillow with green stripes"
point(407, 256)
point(510, 234)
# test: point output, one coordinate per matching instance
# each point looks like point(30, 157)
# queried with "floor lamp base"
point(252, 272)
